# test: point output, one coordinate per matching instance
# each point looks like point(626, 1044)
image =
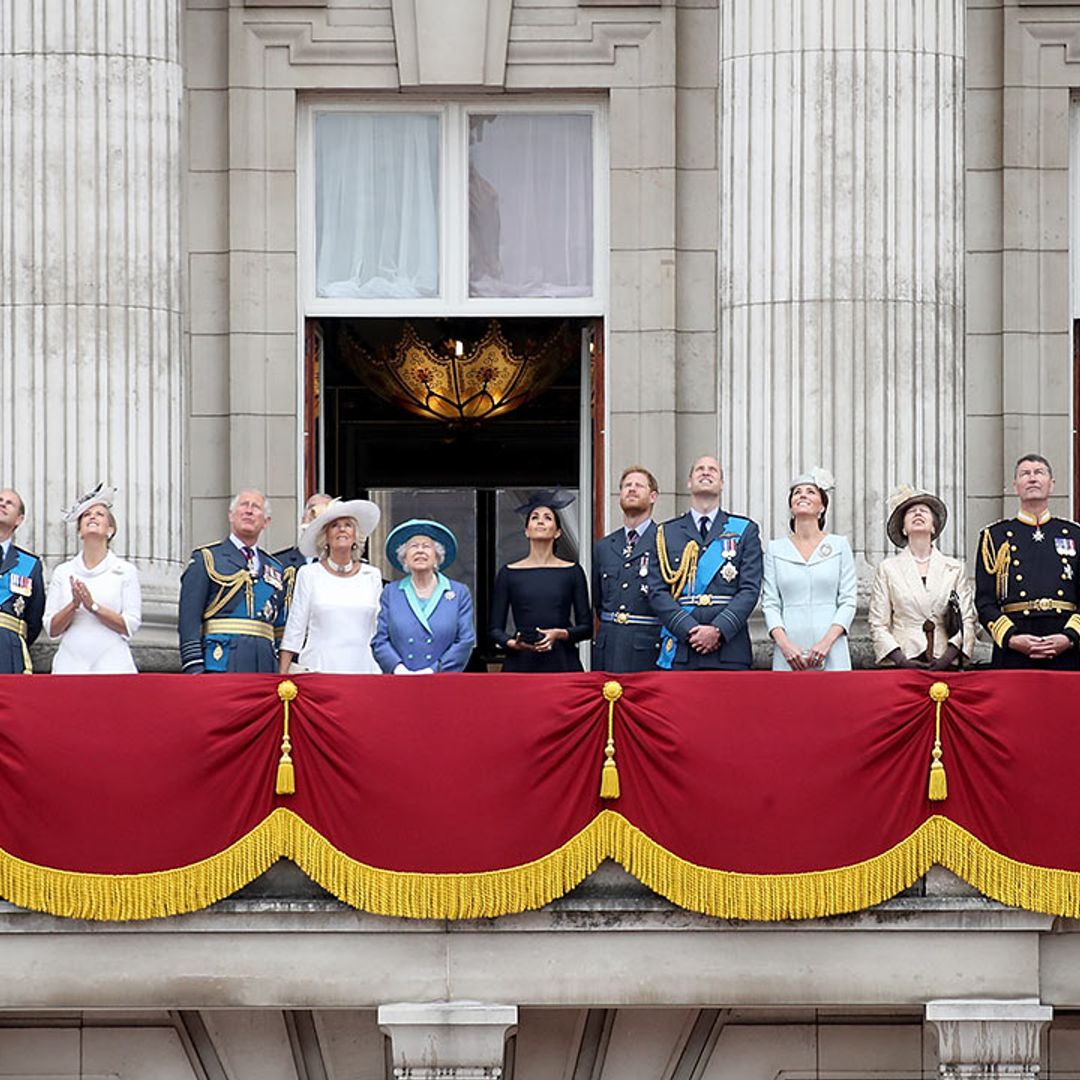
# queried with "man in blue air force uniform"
point(22, 590)
point(707, 579)
point(232, 597)
point(628, 637)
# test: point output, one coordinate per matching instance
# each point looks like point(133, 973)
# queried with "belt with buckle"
point(1043, 603)
point(9, 622)
point(703, 600)
point(244, 627)
point(624, 618)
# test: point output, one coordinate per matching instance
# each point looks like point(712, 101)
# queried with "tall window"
point(484, 207)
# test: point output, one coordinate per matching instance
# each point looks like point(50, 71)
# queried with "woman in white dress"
point(94, 604)
point(335, 601)
point(809, 591)
point(910, 619)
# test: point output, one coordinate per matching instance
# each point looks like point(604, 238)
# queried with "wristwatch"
point(95, 607)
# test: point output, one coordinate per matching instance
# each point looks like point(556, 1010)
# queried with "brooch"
point(450, 594)
point(825, 549)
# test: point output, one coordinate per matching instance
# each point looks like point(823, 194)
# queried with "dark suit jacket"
point(730, 614)
point(619, 586)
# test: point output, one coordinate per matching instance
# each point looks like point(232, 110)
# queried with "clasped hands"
point(80, 594)
point(544, 644)
point(1040, 648)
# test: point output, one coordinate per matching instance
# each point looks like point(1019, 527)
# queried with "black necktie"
point(632, 538)
point(703, 527)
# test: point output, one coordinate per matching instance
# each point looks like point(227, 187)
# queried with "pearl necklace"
point(923, 561)
point(346, 569)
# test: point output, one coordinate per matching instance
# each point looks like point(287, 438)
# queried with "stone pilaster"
point(449, 1040)
point(841, 254)
point(91, 386)
point(989, 1040)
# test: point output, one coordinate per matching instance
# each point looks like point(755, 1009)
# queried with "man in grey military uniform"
point(628, 637)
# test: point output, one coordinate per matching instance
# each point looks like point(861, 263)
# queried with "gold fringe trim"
point(487, 894)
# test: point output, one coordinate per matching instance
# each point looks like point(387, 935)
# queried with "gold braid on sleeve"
point(676, 580)
point(996, 563)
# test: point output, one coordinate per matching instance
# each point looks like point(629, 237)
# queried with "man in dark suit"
point(232, 597)
point(293, 557)
point(22, 590)
point(707, 579)
point(628, 637)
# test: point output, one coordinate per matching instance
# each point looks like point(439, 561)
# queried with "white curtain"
point(530, 205)
point(376, 205)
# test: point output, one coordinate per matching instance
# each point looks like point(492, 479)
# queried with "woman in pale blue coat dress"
point(425, 621)
point(809, 590)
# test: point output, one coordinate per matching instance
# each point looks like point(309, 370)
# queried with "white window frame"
point(454, 299)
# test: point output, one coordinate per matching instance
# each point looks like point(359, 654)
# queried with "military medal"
point(1065, 545)
point(644, 589)
point(1067, 571)
point(643, 566)
point(627, 551)
point(272, 576)
point(268, 611)
point(731, 548)
point(20, 585)
point(19, 606)
point(729, 572)
point(1038, 535)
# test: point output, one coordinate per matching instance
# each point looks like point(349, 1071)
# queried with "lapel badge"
point(729, 572)
point(450, 594)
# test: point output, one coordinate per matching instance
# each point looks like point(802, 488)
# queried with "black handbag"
point(953, 618)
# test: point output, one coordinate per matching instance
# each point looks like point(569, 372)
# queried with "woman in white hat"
point(335, 600)
point(425, 619)
point(922, 606)
point(94, 604)
point(809, 588)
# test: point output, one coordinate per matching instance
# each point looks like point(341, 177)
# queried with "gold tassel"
point(939, 785)
point(286, 774)
point(609, 774)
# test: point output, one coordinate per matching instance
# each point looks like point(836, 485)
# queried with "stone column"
point(91, 387)
point(841, 254)
point(989, 1040)
point(448, 1040)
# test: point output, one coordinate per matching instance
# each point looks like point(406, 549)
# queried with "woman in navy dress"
point(425, 620)
point(547, 596)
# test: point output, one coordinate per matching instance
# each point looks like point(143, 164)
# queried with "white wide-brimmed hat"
point(100, 496)
point(901, 500)
point(365, 512)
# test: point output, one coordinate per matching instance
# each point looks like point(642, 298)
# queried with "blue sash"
point(24, 567)
point(709, 564)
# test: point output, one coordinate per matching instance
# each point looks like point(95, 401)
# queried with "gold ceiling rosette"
point(455, 382)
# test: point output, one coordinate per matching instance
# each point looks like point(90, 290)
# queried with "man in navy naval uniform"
point(232, 597)
point(22, 590)
point(707, 579)
point(628, 637)
point(1027, 578)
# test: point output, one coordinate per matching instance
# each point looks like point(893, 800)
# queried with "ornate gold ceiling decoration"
point(455, 383)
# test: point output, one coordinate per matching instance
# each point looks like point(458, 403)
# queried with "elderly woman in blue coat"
point(425, 619)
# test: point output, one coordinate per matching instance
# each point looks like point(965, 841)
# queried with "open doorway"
point(468, 464)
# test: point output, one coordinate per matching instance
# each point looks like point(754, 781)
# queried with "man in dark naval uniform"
point(22, 590)
point(232, 597)
point(1027, 578)
point(707, 579)
point(628, 637)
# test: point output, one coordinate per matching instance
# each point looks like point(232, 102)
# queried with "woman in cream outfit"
point(94, 604)
point(911, 590)
point(809, 589)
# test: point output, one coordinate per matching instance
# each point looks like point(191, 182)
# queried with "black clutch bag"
point(953, 619)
